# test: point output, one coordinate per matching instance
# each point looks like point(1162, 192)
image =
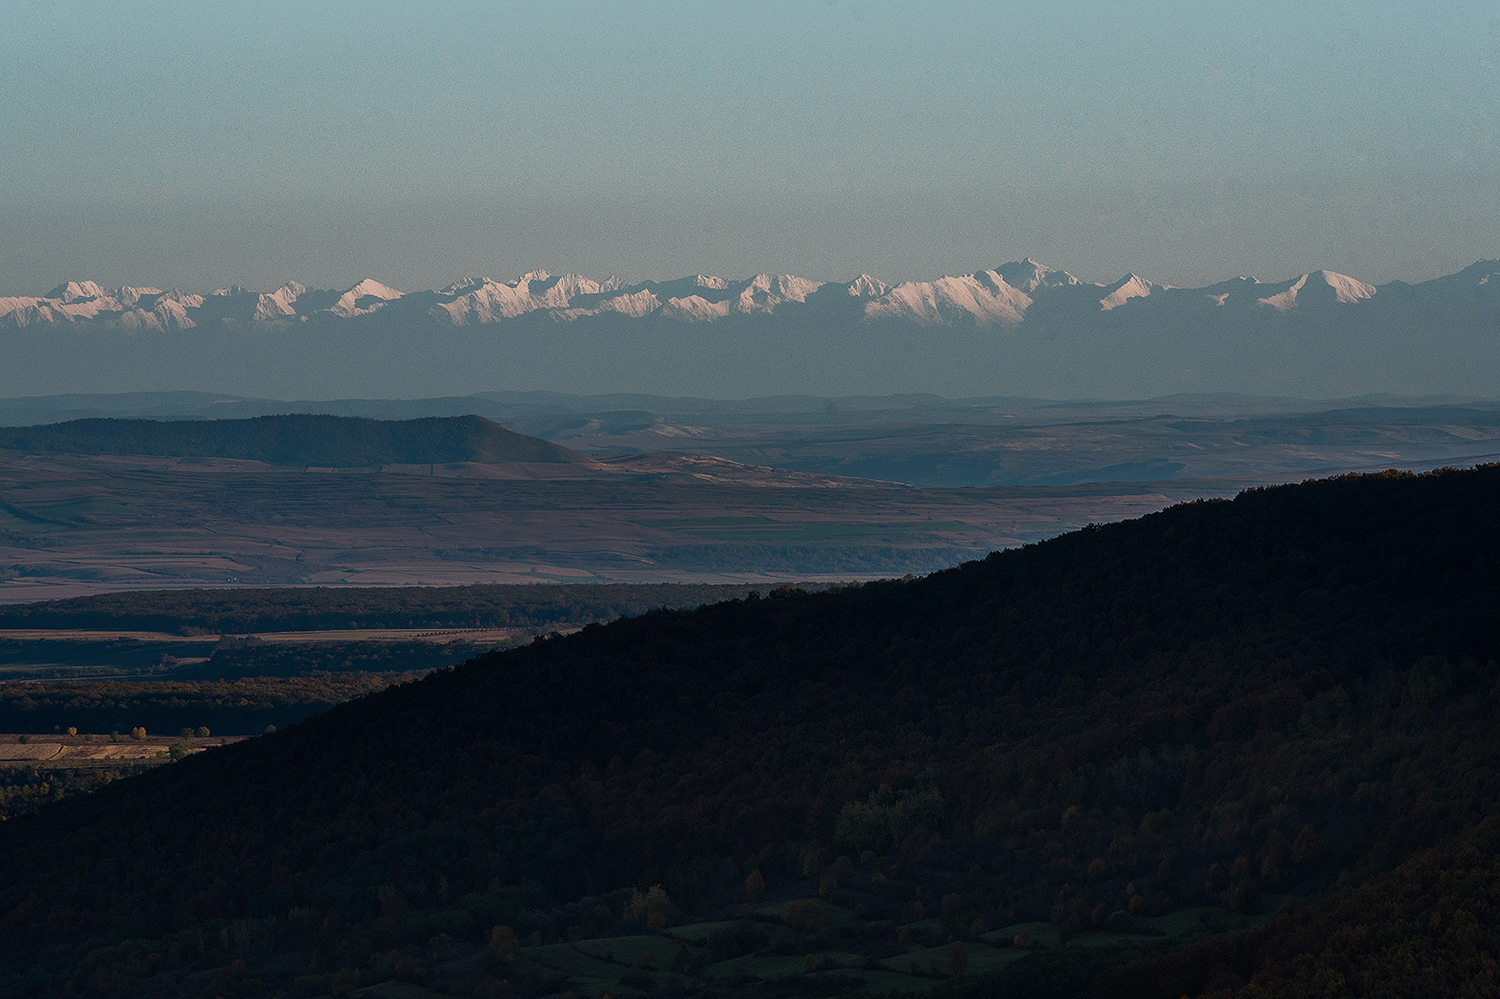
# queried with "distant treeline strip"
point(243, 706)
point(245, 611)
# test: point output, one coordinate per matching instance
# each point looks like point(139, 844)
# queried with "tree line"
point(320, 608)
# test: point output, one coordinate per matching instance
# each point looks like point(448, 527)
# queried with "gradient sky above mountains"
point(196, 146)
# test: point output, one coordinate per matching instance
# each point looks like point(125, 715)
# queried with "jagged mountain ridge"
point(1008, 295)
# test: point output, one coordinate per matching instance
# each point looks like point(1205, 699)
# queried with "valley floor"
point(71, 525)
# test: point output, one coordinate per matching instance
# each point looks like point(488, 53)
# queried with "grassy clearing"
point(398, 990)
point(697, 933)
point(578, 966)
point(758, 966)
point(1040, 934)
point(629, 952)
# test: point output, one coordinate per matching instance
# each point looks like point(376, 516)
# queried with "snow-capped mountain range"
point(1007, 295)
point(1019, 329)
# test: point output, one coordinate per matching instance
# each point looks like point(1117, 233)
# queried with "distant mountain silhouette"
point(300, 439)
point(1006, 295)
point(1021, 329)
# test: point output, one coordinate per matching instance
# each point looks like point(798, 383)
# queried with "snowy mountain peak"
point(765, 292)
point(463, 286)
point(1028, 275)
point(1320, 288)
point(364, 298)
point(76, 291)
point(979, 299)
point(1345, 288)
point(694, 309)
point(133, 296)
point(1008, 295)
point(1128, 287)
point(278, 304)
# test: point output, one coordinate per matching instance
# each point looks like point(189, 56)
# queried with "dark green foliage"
point(242, 706)
point(306, 659)
point(98, 657)
point(1214, 705)
point(1431, 927)
point(315, 608)
point(26, 788)
point(300, 439)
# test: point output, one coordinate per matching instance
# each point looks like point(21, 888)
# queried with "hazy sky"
point(202, 144)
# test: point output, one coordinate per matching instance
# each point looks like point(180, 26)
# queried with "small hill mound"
point(299, 439)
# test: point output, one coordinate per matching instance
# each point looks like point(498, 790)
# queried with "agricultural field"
point(38, 769)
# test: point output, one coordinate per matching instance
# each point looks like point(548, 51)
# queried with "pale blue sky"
point(197, 145)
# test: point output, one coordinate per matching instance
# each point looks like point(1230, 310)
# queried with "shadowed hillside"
point(1122, 738)
point(1428, 928)
point(299, 440)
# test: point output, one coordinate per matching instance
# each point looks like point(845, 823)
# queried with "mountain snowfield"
point(1002, 296)
point(1021, 329)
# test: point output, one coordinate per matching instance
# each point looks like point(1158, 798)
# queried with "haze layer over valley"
point(1018, 329)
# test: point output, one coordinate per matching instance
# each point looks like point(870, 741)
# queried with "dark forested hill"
point(1202, 711)
point(298, 439)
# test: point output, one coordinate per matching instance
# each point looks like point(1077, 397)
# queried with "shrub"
point(502, 946)
point(810, 916)
point(755, 887)
point(653, 908)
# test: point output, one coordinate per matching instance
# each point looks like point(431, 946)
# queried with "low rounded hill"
point(298, 439)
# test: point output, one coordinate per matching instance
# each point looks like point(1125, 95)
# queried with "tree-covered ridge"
point(1429, 928)
point(1212, 706)
point(300, 439)
point(317, 608)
